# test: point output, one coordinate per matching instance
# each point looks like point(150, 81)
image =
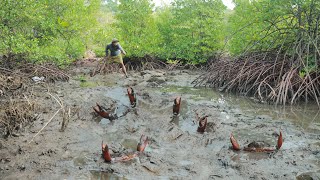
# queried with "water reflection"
point(305, 115)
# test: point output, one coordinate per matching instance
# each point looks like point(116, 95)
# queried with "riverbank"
point(176, 150)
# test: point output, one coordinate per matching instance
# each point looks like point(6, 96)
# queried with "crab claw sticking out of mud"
point(202, 124)
point(100, 110)
point(132, 97)
point(105, 152)
point(143, 143)
point(280, 141)
point(235, 144)
point(176, 105)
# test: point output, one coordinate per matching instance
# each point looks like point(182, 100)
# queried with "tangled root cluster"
point(50, 72)
point(16, 115)
point(140, 64)
point(275, 81)
point(17, 105)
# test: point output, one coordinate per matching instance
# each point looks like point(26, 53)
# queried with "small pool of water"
point(119, 94)
point(130, 144)
point(306, 116)
point(101, 175)
point(90, 84)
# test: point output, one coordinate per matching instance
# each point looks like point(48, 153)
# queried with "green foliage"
point(104, 30)
point(285, 26)
point(81, 78)
point(136, 27)
point(15, 29)
point(259, 25)
point(190, 29)
point(46, 30)
point(197, 29)
point(110, 5)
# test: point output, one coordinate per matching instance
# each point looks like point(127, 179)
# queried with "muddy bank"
point(176, 150)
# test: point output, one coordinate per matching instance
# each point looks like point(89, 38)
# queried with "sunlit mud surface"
point(176, 150)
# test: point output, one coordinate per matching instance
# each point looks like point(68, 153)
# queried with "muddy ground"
point(176, 150)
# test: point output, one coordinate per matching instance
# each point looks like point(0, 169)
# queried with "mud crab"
point(140, 148)
point(102, 111)
point(176, 105)
point(132, 97)
point(202, 123)
point(143, 143)
point(257, 146)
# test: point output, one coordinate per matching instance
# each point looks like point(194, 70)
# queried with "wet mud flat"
point(176, 149)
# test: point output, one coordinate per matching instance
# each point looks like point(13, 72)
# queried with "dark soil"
point(176, 150)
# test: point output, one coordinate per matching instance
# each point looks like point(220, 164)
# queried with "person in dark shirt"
point(115, 54)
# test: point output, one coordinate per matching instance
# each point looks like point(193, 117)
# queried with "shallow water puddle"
point(306, 116)
point(100, 175)
point(188, 125)
point(119, 95)
point(82, 159)
point(89, 82)
point(130, 144)
point(112, 137)
point(105, 122)
point(231, 107)
point(197, 93)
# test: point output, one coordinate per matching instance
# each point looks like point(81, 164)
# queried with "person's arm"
point(121, 49)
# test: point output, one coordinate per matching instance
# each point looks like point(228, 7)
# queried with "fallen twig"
point(45, 125)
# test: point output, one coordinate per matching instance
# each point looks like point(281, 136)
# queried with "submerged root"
point(279, 82)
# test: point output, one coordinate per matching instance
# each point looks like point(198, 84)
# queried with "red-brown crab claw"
point(202, 124)
point(176, 105)
point(280, 141)
point(105, 152)
point(143, 143)
point(256, 146)
point(235, 144)
point(132, 97)
point(100, 110)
